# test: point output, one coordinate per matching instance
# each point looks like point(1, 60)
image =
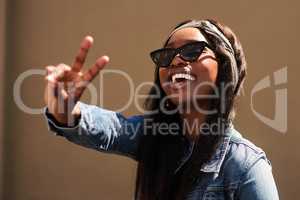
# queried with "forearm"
point(102, 130)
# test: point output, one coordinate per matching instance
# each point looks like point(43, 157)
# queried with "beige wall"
point(2, 56)
point(39, 165)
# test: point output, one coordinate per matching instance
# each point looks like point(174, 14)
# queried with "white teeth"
point(186, 76)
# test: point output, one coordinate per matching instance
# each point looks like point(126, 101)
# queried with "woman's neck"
point(192, 123)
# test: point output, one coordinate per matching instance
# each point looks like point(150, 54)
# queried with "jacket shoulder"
point(242, 154)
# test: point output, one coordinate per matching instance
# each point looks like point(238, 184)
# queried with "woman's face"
point(203, 71)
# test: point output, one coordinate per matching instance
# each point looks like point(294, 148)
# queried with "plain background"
point(37, 165)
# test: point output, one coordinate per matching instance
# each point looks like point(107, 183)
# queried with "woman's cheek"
point(207, 70)
point(163, 76)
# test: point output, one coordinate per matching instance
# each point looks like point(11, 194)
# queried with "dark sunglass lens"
point(163, 57)
point(192, 51)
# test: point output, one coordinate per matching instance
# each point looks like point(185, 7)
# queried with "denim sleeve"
point(258, 183)
point(102, 130)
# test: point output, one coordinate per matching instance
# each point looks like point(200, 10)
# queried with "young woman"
point(185, 144)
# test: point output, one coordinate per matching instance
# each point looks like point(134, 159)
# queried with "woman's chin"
point(182, 102)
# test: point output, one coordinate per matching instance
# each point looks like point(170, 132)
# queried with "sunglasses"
point(189, 52)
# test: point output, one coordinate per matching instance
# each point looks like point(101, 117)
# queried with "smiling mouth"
point(180, 80)
point(181, 77)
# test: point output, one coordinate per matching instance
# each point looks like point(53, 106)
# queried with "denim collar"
point(214, 164)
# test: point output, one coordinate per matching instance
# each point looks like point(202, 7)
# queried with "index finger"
point(83, 51)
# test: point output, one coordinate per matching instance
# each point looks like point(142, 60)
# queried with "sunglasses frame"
point(177, 51)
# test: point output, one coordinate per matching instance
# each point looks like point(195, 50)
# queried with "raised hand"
point(65, 84)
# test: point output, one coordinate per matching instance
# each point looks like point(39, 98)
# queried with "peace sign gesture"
point(65, 84)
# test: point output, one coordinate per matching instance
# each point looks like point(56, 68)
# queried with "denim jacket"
point(238, 170)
